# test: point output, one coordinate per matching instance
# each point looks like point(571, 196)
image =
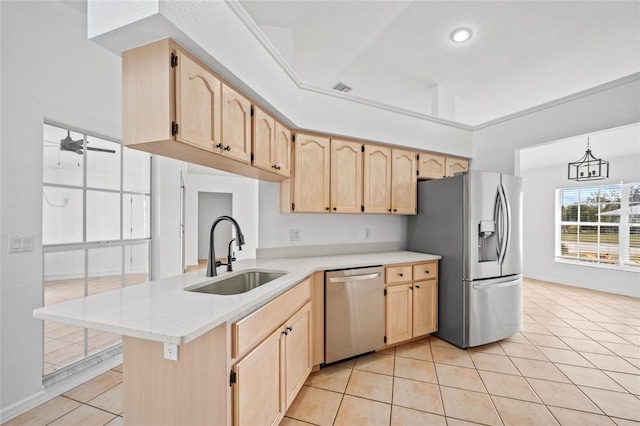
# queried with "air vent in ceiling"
point(341, 87)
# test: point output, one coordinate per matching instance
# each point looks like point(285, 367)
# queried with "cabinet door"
point(404, 190)
point(377, 179)
point(430, 166)
point(258, 399)
point(425, 307)
point(398, 313)
point(456, 165)
point(236, 125)
point(197, 104)
point(297, 353)
point(263, 139)
point(311, 174)
point(282, 150)
point(346, 176)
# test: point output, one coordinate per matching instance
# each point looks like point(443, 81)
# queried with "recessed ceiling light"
point(460, 35)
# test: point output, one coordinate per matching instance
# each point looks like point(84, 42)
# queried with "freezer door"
point(512, 259)
point(494, 309)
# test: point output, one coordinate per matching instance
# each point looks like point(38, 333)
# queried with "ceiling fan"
point(68, 144)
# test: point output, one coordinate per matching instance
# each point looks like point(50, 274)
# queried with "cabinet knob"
point(289, 328)
point(286, 333)
point(389, 210)
point(227, 148)
point(411, 288)
point(220, 146)
point(278, 167)
point(426, 272)
point(334, 209)
point(417, 286)
point(401, 274)
point(274, 167)
point(327, 208)
point(395, 210)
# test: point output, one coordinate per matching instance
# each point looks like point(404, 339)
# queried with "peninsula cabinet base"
point(190, 391)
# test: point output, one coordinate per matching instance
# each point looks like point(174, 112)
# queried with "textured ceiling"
point(399, 53)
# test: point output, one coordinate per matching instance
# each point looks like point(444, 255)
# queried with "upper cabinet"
point(308, 191)
point(271, 144)
point(346, 176)
point(455, 165)
point(404, 189)
point(430, 166)
point(236, 125)
point(377, 179)
point(197, 104)
point(175, 106)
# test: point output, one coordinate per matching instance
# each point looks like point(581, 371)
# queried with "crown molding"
point(266, 43)
point(565, 99)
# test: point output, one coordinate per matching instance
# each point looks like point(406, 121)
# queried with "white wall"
point(212, 205)
point(494, 146)
point(540, 216)
point(49, 69)
point(322, 229)
point(244, 206)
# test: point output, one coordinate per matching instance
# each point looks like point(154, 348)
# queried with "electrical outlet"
point(171, 351)
point(294, 235)
point(367, 233)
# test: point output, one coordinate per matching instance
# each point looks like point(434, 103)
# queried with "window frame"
point(88, 246)
point(624, 226)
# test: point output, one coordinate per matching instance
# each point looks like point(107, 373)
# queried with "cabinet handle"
point(278, 167)
point(417, 286)
point(401, 274)
point(327, 208)
point(395, 210)
point(289, 328)
point(227, 148)
point(286, 333)
point(274, 167)
point(220, 146)
point(411, 288)
point(334, 209)
point(389, 210)
point(426, 272)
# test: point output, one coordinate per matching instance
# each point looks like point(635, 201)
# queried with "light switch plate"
point(20, 243)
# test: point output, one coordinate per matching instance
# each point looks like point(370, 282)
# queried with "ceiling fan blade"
point(90, 148)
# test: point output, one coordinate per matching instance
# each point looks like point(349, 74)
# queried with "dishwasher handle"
point(354, 278)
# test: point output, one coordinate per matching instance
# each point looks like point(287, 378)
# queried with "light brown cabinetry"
point(175, 106)
point(377, 179)
point(267, 377)
point(403, 182)
point(308, 191)
point(455, 165)
point(390, 184)
point(236, 125)
point(346, 176)
point(271, 143)
point(430, 166)
point(411, 301)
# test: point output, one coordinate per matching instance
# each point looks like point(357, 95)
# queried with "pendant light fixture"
point(588, 167)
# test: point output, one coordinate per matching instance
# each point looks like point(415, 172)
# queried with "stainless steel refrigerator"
point(474, 221)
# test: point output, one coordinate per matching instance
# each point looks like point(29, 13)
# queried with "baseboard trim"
point(58, 388)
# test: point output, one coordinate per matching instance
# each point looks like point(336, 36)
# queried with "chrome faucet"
point(212, 263)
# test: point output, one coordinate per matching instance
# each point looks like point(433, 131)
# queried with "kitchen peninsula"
point(222, 340)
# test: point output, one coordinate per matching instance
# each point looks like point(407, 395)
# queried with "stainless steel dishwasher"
point(354, 312)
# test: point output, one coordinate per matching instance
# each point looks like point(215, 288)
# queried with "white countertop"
point(163, 311)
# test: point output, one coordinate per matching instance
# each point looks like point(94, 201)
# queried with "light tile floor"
point(575, 362)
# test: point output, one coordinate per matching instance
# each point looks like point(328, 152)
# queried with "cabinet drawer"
point(425, 271)
point(253, 328)
point(398, 274)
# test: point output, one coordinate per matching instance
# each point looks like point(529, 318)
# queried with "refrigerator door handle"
point(495, 285)
point(503, 223)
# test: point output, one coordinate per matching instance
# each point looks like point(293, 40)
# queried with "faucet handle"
point(218, 263)
point(233, 256)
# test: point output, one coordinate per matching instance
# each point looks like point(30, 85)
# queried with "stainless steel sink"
point(240, 283)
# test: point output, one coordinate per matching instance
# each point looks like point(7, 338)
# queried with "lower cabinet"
point(411, 306)
point(269, 377)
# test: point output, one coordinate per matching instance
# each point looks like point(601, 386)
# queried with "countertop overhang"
point(163, 311)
